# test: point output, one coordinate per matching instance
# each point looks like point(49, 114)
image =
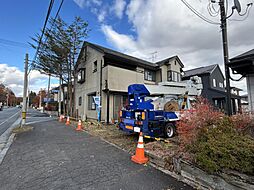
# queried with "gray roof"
point(200, 71)
point(121, 55)
point(112, 53)
point(245, 55)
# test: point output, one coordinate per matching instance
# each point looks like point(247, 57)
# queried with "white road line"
point(9, 118)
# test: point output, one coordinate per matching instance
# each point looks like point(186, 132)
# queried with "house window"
point(91, 103)
point(80, 101)
point(214, 82)
point(95, 66)
point(149, 75)
point(221, 85)
point(82, 75)
point(174, 76)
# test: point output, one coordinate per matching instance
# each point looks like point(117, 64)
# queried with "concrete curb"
point(6, 148)
point(6, 139)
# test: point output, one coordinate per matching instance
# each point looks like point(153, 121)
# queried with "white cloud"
point(13, 78)
point(119, 7)
point(101, 16)
point(124, 43)
point(80, 3)
point(170, 28)
point(97, 2)
point(87, 3)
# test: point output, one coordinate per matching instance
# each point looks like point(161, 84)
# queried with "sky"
point(149, 29)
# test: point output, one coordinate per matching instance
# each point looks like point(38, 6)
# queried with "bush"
point(217, 142)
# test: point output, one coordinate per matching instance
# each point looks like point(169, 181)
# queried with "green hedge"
point(220, 146)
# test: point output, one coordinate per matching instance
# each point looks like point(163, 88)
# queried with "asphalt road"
point(35, 116)
point(7, 117)
point(55, 156)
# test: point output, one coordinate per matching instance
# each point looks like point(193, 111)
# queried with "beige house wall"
point(174, 66)
point(118, 80)
point(91, 84)
point(164, 73)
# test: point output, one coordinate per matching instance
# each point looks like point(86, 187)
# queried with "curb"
point(6, 139)
point(6, 148)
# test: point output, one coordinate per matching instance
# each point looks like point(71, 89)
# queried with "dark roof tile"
point(199, 71)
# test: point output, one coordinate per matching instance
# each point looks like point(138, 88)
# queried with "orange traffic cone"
point(79, 128)
point(67, 121)
point(61, 118)
point(139, 157)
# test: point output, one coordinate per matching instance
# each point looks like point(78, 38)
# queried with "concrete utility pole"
point(24, 107)
point(48, 95)
point(59, 97)
point(225, 52)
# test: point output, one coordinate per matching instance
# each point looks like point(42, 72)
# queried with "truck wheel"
point(169, 130)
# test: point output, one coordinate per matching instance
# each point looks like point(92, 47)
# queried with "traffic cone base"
point(67, 121)
point(79, 128)
point(139, 157)
point(61, 118)
point(139, 160)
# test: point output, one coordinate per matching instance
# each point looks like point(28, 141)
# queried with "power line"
point(199, 14)
point(57, 13)
point(43, 30)
point(13, 43)
point(53, 23)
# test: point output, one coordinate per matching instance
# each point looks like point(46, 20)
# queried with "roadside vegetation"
point(216, 142)
point(206, 137)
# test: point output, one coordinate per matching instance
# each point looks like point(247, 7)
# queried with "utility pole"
point(225, 52)
point(59, 97)
point(48, 96)
point(7, 97)
point(24, 107)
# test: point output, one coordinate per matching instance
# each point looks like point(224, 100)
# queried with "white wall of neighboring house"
point(250, 89)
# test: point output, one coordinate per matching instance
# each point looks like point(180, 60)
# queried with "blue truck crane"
point(140, 115)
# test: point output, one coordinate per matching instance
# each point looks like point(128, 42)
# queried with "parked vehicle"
point(1, 106)
point(153, 116)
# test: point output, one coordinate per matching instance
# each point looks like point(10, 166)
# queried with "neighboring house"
point(244, 103)
point(107, 74)
point(213, 86)
point(244, 65)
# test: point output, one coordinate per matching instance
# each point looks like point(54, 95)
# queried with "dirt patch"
point(22, 129)
point(128, 142)
point(112, 134)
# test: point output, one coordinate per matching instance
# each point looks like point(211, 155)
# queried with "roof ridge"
point(108, 49)
point(201, 67)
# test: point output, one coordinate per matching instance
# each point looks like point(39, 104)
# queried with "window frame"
point(95, 66)
point(82, 75)
point(214, 82)
point(173, 76)
point(91, 106)
point(80, 101)
point(149, 73)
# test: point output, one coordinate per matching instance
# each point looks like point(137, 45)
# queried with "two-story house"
point(244, 65)
point(213, 86)
point(106, 73)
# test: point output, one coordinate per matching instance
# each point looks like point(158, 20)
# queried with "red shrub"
point(189, 126)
